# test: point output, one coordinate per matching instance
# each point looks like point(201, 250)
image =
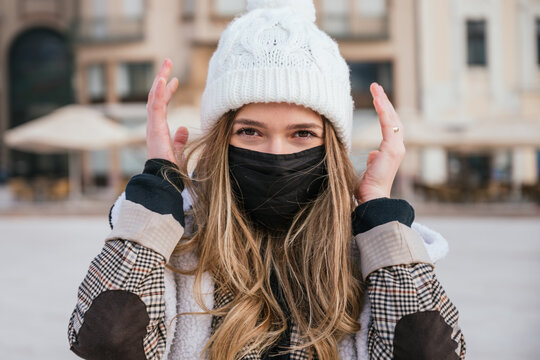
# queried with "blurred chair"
point(21, 189)
point(532, 192)
point(58, 189)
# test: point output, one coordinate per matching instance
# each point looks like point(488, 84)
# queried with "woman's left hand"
point(382, 164)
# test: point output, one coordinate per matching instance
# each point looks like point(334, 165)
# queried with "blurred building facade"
point(480, 92)
point(448, 65)
point(36, 70)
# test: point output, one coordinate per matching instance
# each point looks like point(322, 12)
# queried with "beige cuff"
point(390, 244)
point(158, 232)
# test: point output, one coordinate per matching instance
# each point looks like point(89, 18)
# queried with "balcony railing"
point(355, 27)
point(108, 30)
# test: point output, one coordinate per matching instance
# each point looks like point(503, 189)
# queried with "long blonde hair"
point(312, 261)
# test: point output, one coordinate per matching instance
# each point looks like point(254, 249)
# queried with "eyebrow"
point(304, 126)
point(289, 127)
point(250, 123)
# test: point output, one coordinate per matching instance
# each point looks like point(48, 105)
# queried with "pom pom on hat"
point(305, 7)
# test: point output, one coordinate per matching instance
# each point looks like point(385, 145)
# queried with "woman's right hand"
point(158, 139)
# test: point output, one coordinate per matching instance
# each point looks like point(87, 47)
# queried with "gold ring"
point(396, 129)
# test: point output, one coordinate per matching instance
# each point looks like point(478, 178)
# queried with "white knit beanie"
point(276, 53)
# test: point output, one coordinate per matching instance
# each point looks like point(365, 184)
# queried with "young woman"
point(283, 253)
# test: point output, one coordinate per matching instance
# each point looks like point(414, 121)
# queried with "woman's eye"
point(305, 134)
point(247, 132)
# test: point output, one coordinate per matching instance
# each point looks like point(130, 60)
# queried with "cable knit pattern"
point(273, 53)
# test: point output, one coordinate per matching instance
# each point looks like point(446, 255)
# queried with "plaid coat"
point(128, 289)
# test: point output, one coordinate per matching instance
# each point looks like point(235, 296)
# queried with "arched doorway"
point(40, 68)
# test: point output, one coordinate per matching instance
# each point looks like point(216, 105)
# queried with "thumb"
point(371, 156)
point(180, 139)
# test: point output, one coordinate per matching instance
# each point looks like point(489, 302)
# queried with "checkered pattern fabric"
point(394, 292)
point(124, 265)
point(401, 290)
point(222, 298)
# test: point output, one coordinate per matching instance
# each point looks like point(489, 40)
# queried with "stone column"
point(524, 166)
point(110, 71)
point(434, 166)
point(409, 171)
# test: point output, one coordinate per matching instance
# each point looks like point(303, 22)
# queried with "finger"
point(155, 82)
point(388, 119)
point(388, 122)
point(164, 71)
point(160, 92)
point(151, 92)
point(384, 99)
point(180, 139)
point(383, 106)
point(171, 88)
point(157, 106)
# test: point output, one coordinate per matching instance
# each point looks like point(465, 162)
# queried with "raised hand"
point(382, 164)
point(158, 139)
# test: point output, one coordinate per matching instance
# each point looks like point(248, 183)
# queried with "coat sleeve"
point(120, 308)
point(412, 317)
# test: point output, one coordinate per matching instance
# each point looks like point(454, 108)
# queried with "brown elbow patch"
point(424, 335)
point(114, 327)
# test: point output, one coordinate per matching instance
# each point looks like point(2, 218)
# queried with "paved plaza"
point(491, 274)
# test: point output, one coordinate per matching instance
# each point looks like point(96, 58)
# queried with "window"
point(229, 8)
point(468, 170)
point(98, 27)
point(133, 9)
point(188, 9)
point(98, 8)
point(334, 16)
point(133, 81)
point(538, 41)
point(370, 8)
point(95, 83)
point(476, 43)
point(363, 74)
point(538, 163)
point(501, 166)
point(364, 19)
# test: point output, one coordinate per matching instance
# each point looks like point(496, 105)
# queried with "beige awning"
point(477, 135)
point(73, 127)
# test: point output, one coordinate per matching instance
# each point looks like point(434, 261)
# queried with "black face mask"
point(273, 188)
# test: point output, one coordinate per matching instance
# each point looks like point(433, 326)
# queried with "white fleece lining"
point(170, 311)
point(193, 330)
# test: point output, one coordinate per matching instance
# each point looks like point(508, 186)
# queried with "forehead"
point(279, 114)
